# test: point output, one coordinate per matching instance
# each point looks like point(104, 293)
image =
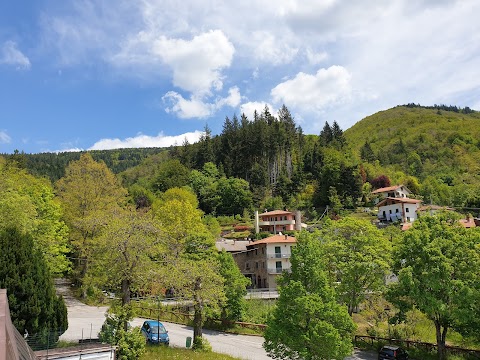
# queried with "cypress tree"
point(34, 307)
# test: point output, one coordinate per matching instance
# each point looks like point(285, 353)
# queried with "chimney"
point(255, 221)
point(298, 220)
point(286, 237)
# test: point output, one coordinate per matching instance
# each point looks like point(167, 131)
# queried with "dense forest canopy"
point(434, 150)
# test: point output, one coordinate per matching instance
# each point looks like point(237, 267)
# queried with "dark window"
point(390, 211)
point(407, 210)
point(278, 252)
point(396, 210)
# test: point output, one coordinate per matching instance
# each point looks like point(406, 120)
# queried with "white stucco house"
point(398, 209)
point(396, 191)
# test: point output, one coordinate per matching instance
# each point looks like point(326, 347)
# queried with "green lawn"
point(170, 353)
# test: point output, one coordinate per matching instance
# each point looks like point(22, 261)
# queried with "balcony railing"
point(278, 256)
point(278, 222)
point(275, 270)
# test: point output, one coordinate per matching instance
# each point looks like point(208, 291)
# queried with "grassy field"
point(171, 353)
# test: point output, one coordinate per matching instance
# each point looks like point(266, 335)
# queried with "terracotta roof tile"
point(276, 212)
point(386, 189)
point(275, 239)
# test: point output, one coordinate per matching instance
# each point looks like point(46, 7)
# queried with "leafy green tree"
point(438, 262)
point(180, 221)
point(34, 307)
point(235, 196)
point(28, 203)
point(130, 342)
point(307, 322)
point(126, 248)
point(235, 288)
point(435, 191)
point(411, 182)
point(358, 258)
point(170, 174)
point(142, 197)
point(88, 191)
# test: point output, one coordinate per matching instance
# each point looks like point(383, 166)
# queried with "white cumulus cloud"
point(315, 92)
point(233, 99)
point(196, 107)
point(186, 108)
point(197, 63)
point(11, 55)
point(144, 141)
point(249, 108)
point(272, 50)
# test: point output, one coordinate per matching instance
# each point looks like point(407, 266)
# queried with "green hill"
point(436, 146)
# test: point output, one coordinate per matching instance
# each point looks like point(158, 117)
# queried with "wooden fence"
point(408, 344)
point(184, 318)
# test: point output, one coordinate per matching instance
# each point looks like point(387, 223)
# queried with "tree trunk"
point(441, 337)
point(198, 311)
point(125, 298)
point(83, 273)
point(125, 292)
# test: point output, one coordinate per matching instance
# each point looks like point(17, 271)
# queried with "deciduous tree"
point(307, 322)
point(122, 256)
point(438, 267)
point(28, 203)
point(88, 191)
point(235, 288)
point(358, 258)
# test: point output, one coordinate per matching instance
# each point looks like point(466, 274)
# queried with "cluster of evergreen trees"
point(278, 160)
point(52, 165)
point(454, 108)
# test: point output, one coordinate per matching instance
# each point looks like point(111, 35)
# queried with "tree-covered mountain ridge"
point(421, 141)
point(436, 149)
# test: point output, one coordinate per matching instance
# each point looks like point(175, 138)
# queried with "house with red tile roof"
point(395, 191)
point(278, 221)
point(394, 209)
point(265, 259)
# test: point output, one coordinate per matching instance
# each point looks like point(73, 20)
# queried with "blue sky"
point(101, 74)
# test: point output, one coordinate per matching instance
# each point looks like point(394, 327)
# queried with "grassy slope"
point(170, 353)
point(447, 142)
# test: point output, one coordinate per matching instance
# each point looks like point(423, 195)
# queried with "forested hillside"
point(436, 149)
point(267, 162)
point(52, 165)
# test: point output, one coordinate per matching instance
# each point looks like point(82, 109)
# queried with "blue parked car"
point(155, 332)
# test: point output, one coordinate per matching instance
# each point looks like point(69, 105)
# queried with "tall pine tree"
point(34, 307)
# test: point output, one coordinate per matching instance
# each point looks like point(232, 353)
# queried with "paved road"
point(86, 321)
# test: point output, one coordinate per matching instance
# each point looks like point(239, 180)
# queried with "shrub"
point(131, 344)
point(201, 344)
